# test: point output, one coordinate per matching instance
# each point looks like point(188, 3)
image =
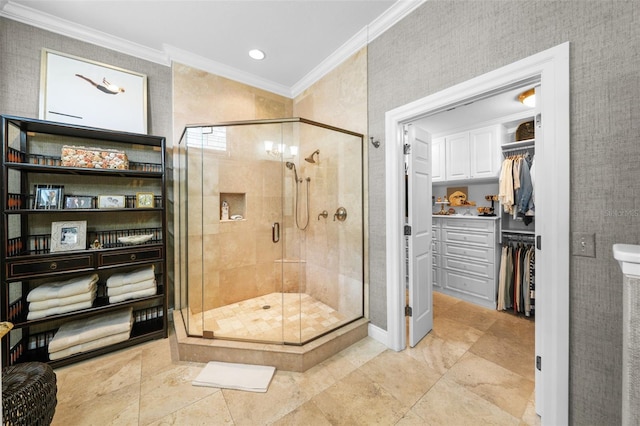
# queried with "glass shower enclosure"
point(271, 235)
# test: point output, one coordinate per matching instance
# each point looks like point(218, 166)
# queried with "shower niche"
point(232, 206)
point(286, 274)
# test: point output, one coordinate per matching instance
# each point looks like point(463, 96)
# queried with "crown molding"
point(48, 22)
point(169, 54)
point(389, 18)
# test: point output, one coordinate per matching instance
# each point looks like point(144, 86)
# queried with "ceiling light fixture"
point(528, 97)
point(257, 54)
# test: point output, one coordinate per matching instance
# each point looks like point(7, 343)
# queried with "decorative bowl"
point(135, 239)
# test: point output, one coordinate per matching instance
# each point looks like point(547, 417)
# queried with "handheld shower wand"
point(292, 166)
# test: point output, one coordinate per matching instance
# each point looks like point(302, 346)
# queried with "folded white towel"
point(122, 278)
point(71, 287)
point(89, 346)
point(34, 315)
point(130, 288)
point(78, 332)
point(133, 295)
point(63, 301)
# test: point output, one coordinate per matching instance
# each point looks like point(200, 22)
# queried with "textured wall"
point(447, 42)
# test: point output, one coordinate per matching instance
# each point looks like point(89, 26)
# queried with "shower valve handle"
point(275, 232)
point(323, 214)
point(341, 214)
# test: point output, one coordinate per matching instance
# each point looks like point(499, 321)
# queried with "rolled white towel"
point(78, 332)
point(34, 315)
point(130, 288)
point(64, 301)
point(133, 295)
point(89, 346)
point(122, 278)
point(59, 289)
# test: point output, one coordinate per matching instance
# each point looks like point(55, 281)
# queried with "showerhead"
point(292, 166)
point(310, 158)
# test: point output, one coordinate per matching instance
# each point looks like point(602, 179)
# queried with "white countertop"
point(462, 216)
point(628, 256)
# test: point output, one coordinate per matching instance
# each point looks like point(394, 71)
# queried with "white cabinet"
point(484, 150)
point(438, 160)
point(466, 259)
point(473, 154)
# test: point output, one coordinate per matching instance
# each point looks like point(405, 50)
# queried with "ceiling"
point(302, 39)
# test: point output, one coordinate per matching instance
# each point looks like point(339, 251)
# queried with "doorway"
point(551, 69)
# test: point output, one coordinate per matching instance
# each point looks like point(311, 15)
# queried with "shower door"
point(263, 257)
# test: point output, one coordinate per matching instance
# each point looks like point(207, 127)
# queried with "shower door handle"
point(275, 232)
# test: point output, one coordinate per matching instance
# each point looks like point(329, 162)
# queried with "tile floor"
point(304, 318)
point(475, 367)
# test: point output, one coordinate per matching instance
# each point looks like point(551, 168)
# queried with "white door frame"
point(552, 68)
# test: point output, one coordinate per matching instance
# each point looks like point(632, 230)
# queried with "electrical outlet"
point(584, 244)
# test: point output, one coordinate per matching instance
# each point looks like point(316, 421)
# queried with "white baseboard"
point(378, 334)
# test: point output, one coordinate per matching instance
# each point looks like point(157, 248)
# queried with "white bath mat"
point(252, 378)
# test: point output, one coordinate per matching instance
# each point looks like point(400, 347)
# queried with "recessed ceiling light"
point(256, 54)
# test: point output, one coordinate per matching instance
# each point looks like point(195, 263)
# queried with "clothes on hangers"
point(516, 187)
point(516, 282)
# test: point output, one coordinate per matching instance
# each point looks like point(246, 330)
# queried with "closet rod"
point(517, 236)
point(517, 149)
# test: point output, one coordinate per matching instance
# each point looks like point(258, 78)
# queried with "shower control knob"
point(341, 214)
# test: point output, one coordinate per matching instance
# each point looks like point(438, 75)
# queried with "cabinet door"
point(438, 160)
point(457, 156)
point(484, 157)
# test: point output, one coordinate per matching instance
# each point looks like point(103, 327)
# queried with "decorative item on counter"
point(442, 204)
point(224, 214)
point(96, 245)
point(144, 200)
point(458, 196)
point(94, 158)
point(111, 201)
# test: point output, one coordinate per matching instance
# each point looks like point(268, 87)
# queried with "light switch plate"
point(584, 244)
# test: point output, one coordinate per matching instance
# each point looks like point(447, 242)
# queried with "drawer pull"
point(53, 266)
point(133, 256)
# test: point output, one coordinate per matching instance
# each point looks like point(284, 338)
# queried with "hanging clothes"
point(516, 187)
point(516, 281)
point(505, 187)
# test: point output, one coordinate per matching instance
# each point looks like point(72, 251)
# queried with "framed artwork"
point(81, 92)
point(66, 236)
point(48, 197)
point(78, 202)
point(111, 201)
point(144, 200)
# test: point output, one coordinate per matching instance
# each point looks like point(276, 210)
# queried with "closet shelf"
point(519, 144)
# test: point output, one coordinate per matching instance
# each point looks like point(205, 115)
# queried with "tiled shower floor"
point(304, 318)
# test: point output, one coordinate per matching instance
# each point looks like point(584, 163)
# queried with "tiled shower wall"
point(443, 43)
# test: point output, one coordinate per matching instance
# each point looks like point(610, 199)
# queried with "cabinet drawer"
point(435, 260)
point(470, 224)
point(482, 254)
point(435, 233)
point(435, 247)
point(484, 270)
point(477, 238)
point(31, 268)
point(121, 257)
point(476, 286)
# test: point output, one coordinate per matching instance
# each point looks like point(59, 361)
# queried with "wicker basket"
point(28, 394)
point(525, 131)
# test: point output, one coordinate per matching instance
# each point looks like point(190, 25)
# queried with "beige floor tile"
point(116, 407)
point(530, 418)
point(307, 414)
point(494, 383)
point(209, 411)
point(358, 400)
point(448, 403)
point(516, 356)
point(451, 330)
point(471, 315)
point(438, 354)
point(87, 380)
point(362, 351)
point(404, 377)
point(253, 408)
point(170, 391)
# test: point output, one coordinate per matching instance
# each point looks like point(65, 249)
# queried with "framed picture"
point(48, 197)
point(144, 200)
point(78, 91)
point(66, 236)
point(111, 201)
point(78, 202)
